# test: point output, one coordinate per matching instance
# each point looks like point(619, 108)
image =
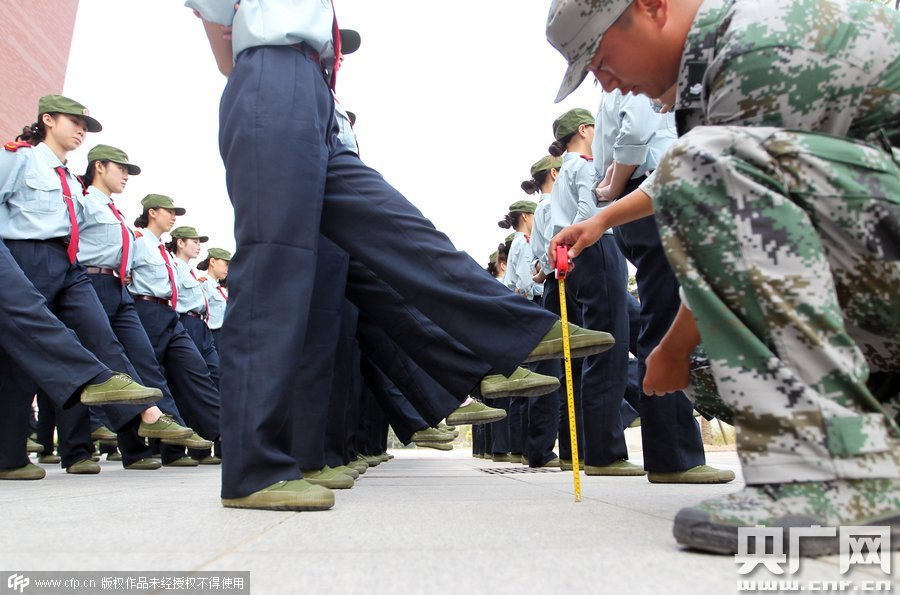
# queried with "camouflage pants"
point(786, 245)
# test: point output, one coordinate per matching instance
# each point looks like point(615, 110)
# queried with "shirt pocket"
point(105, 217)
point(41, 194)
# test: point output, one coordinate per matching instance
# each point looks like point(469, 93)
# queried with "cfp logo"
point(18, 582)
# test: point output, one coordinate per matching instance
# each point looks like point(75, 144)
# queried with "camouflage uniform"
point(786, 245)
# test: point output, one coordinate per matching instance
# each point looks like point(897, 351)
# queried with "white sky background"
point(454, 103)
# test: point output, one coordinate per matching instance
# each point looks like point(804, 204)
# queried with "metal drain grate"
point(512, 470)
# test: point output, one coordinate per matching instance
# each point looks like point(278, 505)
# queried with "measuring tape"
point(563, 266)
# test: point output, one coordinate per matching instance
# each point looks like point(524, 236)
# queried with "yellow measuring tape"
point(562, 268)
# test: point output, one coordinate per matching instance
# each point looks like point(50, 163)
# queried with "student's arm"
point(217, 16)
point(669, 364)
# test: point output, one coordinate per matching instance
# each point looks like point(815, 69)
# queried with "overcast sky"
point(454, 103)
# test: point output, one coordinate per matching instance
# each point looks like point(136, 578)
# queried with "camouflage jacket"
point(819, 65)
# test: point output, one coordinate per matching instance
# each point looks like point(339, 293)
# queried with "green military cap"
point(546, 164)
point(574, 28)
point(352, 117)
point(523, 206)
point(187, 233)
point(160, 201)
point(219, 253)
point(569, 122)
point(350, 41)
point(509, 238)
point(108, 153)
point(57, 104)
point(493, 257)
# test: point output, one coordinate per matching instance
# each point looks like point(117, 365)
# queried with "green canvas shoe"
point(28, 472)
point(49, 459)
point(165, 428)
point(566, 465)
point(84, 467)
point(582, 342)
point(209, 460)
point(33, 447)
point(522, 383)
point(431, 435)
point(385, 457)
point(551, 464)
point(150, 464)
point(435, 445)
point(347, 471)
point(119, 389)
point(712, 525)
point(505, 457)
point(475, 413)
point(103, 434)
point(182, 462)
point(359, 465)
point(698, 474)
point(296, 494)
point(373, 461)
point(114, 456)
point(328, 477)
point(619, 468)
point(193, 441)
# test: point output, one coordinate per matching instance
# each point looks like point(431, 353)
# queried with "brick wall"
point(35, 36)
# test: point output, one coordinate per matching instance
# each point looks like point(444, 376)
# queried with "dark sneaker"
point(712, 525)
point(582, 342)
point(698, 474)
point(165, 428)
point(620, 468)
point(193, 441)
point(182, 462)
point(28, 472)
point(297, 494)
point(84, 467)
point(119, 389)
point(149, 464)
point(522, 383)
point(475, 413)
point(328, 477)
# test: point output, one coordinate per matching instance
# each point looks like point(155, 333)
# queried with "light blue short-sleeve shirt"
point(100, 234)
point(149, 273)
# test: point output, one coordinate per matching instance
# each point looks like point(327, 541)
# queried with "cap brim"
point(133, 170)
point(92, 124)
point(178, 211)
point(575, 75)
point(350, 41)
point(203, 239)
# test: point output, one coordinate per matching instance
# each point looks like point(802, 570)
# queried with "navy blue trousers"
point(37, 342)
point(398, 411)
point(670, 435)
point(205, 343)
point(598, 284)
point(186, 370)
point(69, 294)
point(277, 103)
point(337, 435)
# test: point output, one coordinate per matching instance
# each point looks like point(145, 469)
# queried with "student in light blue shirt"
point(154, 286)
point(215, 265)
point(40, 214)
point(280, 59)
point(519, 262)
point(597, 283)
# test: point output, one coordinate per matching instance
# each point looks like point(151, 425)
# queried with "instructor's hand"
point(667, 371)
point(578, 237)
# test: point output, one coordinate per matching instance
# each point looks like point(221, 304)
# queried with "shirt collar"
point(699, 49)
point(48, 156)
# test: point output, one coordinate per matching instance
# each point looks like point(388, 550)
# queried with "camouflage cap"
point(108, 153)
point(219, 253)
point(57, 104)
point(523, 206)
point(574, 28)
point(546, 164)
point(160, 201)
point(187, 233)
point(569, 122)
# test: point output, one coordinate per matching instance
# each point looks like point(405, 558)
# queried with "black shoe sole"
point(694, 529)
